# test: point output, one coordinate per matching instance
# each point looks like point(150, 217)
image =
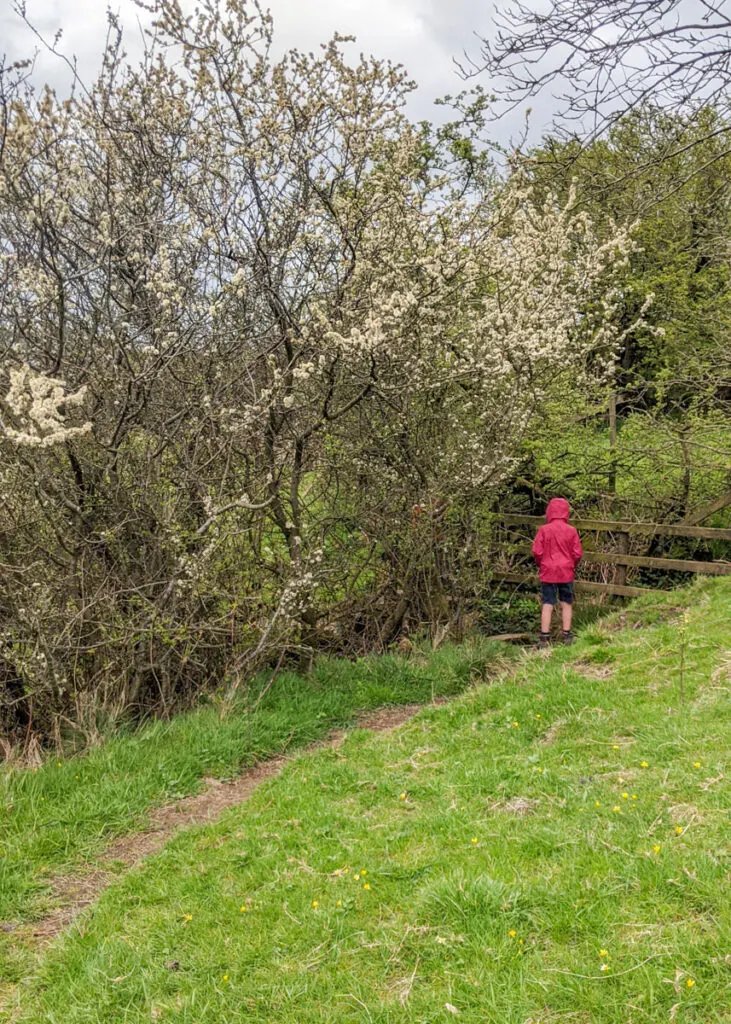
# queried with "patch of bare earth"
point(72, 894)
point(521, 806)
point(551, 733)
point(591, 671)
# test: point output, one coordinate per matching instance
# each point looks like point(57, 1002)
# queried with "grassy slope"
point(62, 815)
point(504, 916)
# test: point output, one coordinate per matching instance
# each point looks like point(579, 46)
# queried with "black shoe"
point(568, 638)
point(544, 639)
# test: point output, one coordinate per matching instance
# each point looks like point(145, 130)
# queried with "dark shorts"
point(553, 592)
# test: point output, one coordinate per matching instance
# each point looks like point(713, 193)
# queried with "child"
point(557, 550)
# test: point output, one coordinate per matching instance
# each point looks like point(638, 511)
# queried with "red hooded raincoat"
point(557, 548)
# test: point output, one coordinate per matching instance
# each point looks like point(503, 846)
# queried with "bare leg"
point(566, 611)
point(546, 613)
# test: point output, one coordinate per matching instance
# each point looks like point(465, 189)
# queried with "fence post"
point(620, 571)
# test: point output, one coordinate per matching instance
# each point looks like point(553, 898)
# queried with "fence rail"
point(615, 526)
point(620, 559)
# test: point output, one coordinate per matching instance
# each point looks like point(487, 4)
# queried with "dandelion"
point(656, 849)
point(634, 796)
point(597, 804)
point(474, 840)
point(625, 796)
point(538, 716)
point(225, 977)
point(188, 917)
point(616, 809)
point(315, 904)
point(696, 764)
point(512, 933)
point(515, 725)
point(243, 910)
point(679, 829)
point(603, 952)
point(367, 886)
point(644, 764)
point(616, 746)
point(340, 903)
point(403, 796)
point(690, 983)
point(364, 873)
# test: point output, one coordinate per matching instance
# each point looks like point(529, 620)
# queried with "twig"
point(615, 849)
point(608, 974)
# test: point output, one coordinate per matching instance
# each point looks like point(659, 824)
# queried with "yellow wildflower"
point(538, 716)
point(696, 764)
point(225, 977)
point(616, 809)
point(597, 804)
point(690, 983)
point(403, 796)
point(679, 829)
point(366, 886)
point(616, 746)
point(515, 725)
point(474, 840)
point(340, 903)
point(625, 796)
point(315, 904)
point(188, 917)
point(656, 848)
point(644, 764)
point(243, 910)
point(604, 967)
point(364, 873)
point(512, 933)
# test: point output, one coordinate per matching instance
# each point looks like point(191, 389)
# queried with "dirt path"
point(73, 893)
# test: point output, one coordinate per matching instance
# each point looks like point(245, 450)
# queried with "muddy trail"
point(73, 893)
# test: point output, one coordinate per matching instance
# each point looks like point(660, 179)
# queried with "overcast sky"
point(424, 35)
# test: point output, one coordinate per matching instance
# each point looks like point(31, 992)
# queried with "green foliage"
point(669, 177)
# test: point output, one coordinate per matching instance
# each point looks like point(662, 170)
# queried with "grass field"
point(549, 847)
point(61, 816)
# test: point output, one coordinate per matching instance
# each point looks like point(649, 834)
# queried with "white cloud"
point(423, 35)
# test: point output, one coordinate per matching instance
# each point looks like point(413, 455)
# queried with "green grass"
point(62, 815)
point(498, 868)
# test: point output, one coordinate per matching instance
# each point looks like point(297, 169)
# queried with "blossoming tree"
point(267, 346)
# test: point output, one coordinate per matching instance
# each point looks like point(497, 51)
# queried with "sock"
point(566, 632)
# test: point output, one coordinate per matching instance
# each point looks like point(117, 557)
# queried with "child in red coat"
point(557, 550)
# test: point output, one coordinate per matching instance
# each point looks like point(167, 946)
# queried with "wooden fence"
point(620, 558)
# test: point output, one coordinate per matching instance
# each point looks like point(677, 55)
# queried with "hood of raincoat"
point(558, 508)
